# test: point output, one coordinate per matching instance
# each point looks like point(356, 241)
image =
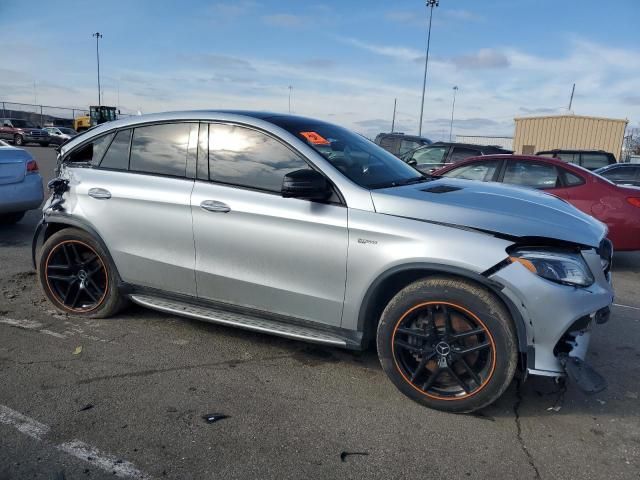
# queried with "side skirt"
point(253, 320)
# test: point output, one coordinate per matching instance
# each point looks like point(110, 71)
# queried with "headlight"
point(567, 268)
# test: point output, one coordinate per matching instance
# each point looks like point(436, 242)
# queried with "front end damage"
point(560, 319)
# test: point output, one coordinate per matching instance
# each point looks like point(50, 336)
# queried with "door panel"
point(282, 255)
point(146, 224)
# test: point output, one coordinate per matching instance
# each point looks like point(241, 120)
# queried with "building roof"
point(569, 115)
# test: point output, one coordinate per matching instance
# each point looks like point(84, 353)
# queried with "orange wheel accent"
point(75, 274)
point(432, 347)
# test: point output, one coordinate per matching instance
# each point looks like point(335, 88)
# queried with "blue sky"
point(346, 61)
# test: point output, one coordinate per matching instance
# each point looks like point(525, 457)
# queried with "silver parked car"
point(20, 183)
point(299, 228)
point(60, 135)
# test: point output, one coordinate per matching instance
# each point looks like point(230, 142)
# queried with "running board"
point(246, 321)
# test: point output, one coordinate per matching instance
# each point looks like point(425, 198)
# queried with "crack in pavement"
point(523, 446)
point(145, 373)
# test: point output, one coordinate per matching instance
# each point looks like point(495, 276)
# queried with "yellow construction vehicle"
point(97, 115)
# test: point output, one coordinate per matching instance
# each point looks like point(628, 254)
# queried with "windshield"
point(22, 124)
point(68, 131)
point(357, 158)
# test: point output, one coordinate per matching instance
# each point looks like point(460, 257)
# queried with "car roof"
point(467, 145)
point(248, 116)
point(569, 150)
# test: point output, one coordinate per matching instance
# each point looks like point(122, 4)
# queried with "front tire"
point(448, 344)
point(18, 140)
point(77, 275)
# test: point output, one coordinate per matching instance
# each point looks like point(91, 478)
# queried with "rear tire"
point(448, 344)
point(11, 218)
point(77, 275)
point(44, 144)
point(18, 140)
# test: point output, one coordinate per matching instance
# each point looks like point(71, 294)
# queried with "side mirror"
point(305, 184)
point(412, 162)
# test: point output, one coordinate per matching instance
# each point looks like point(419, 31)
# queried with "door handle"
point(100, 193)
point(214, 206)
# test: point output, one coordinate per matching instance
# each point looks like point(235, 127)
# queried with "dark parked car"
point(589, 159)
point(399, 143)
point(21, 132)
point(621, 173)
point(431, 157)
point(616, 205)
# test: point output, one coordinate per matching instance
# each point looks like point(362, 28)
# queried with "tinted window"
point(594, 160)
point(569, 157)
point(161, 149)
point(92, 152)
point(482, 171)
point(572, 180)
point(430, 155)
point(117, 157)
point(406, 145)
point(460, 153)
point(357, 158)
point(620, 174)
point(248, 158)
point(531, 174)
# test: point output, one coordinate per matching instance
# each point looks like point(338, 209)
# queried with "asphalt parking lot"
point(126, 396)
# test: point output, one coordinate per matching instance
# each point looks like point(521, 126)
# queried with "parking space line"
point(626, 306)
point(30, 325)
point(76, 448)
point(22, 423)
point(108, 463)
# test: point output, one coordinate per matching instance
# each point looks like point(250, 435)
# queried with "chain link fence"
point(44, 115)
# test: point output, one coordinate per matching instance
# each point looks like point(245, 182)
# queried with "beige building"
point(534, 134)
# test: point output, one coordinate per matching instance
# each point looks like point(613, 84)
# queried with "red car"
point(615, 205)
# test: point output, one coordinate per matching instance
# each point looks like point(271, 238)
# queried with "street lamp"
point(453, 107)
point(98, 36)
point(430, 4)
point(290, 92)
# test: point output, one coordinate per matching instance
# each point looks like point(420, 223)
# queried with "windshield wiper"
point(410, 181)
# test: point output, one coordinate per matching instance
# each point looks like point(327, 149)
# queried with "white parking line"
point(105, 461)
point(76, 448)
point(22, 423)
point(30, 325)
point(626, 306)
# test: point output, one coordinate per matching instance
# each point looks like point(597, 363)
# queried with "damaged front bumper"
point(559, 319)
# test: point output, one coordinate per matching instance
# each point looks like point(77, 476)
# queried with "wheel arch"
point(55, 223)
point(386, 285)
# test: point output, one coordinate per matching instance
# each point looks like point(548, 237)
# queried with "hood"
point(502, 209)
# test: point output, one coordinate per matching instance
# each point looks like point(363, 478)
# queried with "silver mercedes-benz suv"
point(296, 227)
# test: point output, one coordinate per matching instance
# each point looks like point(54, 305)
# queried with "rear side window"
point(161, 149)
point(481, 171)
point(571, 180)
point(531, 174)
point(620, 174)
point(406, 145)
point(92, 152)
point(569, 157)
point(117, 157)
point(430, 155)
point(248, 158)
point(462, 153)
point(594, 160)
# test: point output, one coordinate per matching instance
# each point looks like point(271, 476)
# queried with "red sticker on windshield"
point(315, 138)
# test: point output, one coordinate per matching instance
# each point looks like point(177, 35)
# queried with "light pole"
point(98, 36)
point(430, 4)
point(290, 92)
point(453, 108)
